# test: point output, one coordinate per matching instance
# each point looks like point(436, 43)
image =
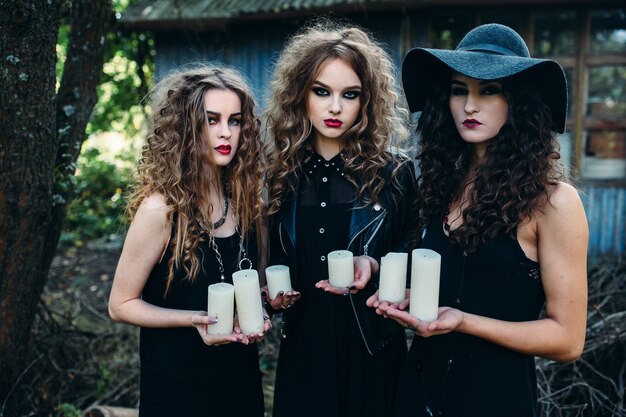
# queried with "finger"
point(382, 306)
point(372, 301)
point(336, 290)
point(293, 297)
point(361, 280)
point(275, 303)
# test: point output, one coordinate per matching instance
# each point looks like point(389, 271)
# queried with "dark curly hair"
point(519, 167)
point(381, 121)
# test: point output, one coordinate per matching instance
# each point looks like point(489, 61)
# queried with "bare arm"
point(562, 235)
point(561, 241)
point(145, 243)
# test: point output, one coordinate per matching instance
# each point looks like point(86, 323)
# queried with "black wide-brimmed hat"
point(488, 52)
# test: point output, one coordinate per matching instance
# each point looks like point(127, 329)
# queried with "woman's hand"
point(253, 337)
point(283, 300)
point(375, 302)
point(448, 320)
point(201, 321)
point(364, 266)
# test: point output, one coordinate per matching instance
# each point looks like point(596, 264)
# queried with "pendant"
point(244, 259)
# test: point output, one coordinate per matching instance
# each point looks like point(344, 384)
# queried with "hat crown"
point(494, 38)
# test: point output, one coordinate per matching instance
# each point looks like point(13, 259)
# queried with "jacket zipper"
point(356, 316)
point(280, 235)
point(373, 234)
point(363, 229)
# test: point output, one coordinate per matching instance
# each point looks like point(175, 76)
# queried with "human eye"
point(491, 90)
point(319, 91)
point(212, 120)
point(458, 91)
point(352, 94)
point(234, 121)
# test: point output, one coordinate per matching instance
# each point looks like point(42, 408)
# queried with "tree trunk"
point(40, 137)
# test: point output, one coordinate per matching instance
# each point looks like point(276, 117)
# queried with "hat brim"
point(421, 66)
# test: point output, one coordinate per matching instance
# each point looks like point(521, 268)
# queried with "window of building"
point(605, 112)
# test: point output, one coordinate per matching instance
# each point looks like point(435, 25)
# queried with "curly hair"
point(518, 170)
point(175, 161)
point(382, 117)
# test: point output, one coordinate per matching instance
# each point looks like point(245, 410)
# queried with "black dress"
point(180, 375)
point(324, 368)
point(460, 375)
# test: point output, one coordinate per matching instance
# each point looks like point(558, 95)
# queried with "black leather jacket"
point(375, 230)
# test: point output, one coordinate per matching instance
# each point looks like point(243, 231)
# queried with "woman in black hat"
point(512, 234)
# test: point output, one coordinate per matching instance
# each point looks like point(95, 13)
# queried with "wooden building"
point(588, 38)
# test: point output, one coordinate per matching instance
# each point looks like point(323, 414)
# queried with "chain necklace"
point(222, 219)
point(242, 249)
point(218, 256)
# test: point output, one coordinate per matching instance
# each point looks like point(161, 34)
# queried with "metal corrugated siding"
point(253, 48)
point(605, 207)
point(190, 9)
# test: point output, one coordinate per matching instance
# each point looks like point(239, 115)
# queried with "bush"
point(98, 204)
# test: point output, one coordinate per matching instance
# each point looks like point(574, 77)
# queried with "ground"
point(74, 317)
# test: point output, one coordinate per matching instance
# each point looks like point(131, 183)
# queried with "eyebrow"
point(352, 87)
point(214, 113)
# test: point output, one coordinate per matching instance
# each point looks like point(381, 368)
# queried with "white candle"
point(425, 268)
point(340, 268)
point(277, 279)
point(393, 277)
point(221, 305)
point(248, 298)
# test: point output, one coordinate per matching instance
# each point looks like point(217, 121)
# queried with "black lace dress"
point(180, 375)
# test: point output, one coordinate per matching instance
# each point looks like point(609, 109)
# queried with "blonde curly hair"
point(175, 162)
point(382, 119)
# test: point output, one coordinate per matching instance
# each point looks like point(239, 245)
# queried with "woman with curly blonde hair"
point(197, 216)
point(336, 182)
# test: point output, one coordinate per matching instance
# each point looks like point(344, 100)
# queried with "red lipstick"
point(333, 123)
point(471, 123)
point(223, 149)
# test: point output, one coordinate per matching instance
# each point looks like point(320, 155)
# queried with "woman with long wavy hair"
point(511, 232)
point(197, 215)
point(336, 182)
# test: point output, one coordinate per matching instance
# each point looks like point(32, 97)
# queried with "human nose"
point(335, 105)
point(471, 104)
point(224, 132)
